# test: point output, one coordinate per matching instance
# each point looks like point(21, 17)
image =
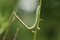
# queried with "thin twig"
point(16, 34)
point(6, 32)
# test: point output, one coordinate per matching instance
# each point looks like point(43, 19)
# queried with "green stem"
point(38, 20)
point(35, 34)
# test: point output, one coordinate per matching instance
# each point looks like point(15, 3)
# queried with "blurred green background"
point(50, 25)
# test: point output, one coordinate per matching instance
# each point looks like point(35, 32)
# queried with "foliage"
point(50, 26)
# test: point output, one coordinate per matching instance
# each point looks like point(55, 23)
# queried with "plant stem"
point(38, 20)
point(15, 36)
point(35, 34)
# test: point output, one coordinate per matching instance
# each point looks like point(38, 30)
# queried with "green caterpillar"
point(34, 25)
